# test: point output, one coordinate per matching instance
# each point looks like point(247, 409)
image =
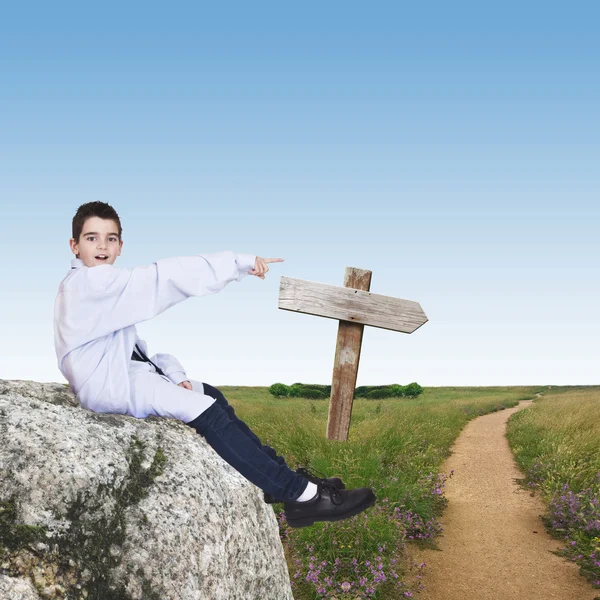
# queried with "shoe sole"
point(297, 523)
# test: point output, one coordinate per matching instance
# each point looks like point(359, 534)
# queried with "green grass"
point(395, 446)
point(556, 443)
point(562, 431)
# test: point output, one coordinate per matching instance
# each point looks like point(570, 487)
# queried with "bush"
point(317, 391)
point(398, 391)
point(318, 386)
point(313, 394)
point(374, 392)
point(295, 390)
point(362, 390)
point(382, 392)
point(280, 390)
point(313, 391)
point(298, 390)
point(412, 390)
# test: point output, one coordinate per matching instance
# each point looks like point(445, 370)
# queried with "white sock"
point(309, 493)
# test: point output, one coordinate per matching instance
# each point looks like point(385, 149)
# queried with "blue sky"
point(452, 149)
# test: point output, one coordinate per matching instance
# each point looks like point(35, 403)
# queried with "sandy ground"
point(494, 546)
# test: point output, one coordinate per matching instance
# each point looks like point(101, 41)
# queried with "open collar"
point(76, 263)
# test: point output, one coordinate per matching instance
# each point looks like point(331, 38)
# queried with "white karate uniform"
point(95, 313)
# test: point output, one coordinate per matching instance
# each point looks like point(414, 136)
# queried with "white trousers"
point(152, 394)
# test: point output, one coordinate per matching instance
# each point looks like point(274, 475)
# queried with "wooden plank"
point(350, 304)
point(345, 365)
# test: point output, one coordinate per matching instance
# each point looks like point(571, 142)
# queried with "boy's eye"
point(93, 237)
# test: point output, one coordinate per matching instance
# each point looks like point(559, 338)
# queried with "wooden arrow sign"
point(347, 304)
point(354, 306)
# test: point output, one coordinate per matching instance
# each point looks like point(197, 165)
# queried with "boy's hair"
point(94, 209)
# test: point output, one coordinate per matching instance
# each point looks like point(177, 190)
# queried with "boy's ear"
point(73, 246)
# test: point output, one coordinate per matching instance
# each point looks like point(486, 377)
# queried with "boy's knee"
point(213, 416)
point(213, 392)
point(220, 399)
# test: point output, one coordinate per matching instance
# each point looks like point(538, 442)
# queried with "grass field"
point(395, 446)
point(557, 445)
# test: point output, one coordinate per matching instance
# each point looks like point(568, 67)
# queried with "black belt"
point(141, 357)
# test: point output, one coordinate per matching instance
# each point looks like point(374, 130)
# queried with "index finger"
point(273, 259)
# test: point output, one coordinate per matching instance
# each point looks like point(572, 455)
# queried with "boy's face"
point(99, 237)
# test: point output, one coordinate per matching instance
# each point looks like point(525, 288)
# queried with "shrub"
point(398, 391)
point(280, 390)
point(362, 390)
point(373, 392)
point(313, 394)
point(295, 390)
point(318, 386)
point(319, 391)
point(384, 392)
point(413, 389)
point(298, 390)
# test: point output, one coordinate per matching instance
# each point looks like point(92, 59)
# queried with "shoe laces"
point(311, 474)
point(336, 496)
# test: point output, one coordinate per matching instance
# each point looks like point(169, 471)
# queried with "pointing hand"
point(260, 266)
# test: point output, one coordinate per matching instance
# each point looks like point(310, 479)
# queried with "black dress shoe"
point(330, 504)
point(311, 475)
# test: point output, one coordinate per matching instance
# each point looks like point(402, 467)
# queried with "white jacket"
point(96, 310)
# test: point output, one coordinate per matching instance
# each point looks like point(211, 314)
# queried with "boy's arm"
point(170, 366)
point(167, 363)
point(124, 297)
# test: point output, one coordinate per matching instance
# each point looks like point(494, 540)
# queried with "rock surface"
point(16, 589)
point(112, 507)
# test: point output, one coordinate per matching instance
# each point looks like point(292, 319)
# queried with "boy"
point(105, 362)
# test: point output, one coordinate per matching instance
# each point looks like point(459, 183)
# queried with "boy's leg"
point(209, 390)
point(243, 454)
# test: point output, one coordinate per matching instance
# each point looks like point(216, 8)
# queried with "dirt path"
point(494, 546)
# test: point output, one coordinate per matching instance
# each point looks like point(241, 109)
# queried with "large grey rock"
point(112, 507)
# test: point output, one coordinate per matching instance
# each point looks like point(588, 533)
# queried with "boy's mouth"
point(102, 257)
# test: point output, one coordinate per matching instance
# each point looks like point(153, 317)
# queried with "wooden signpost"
point(354, 306)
